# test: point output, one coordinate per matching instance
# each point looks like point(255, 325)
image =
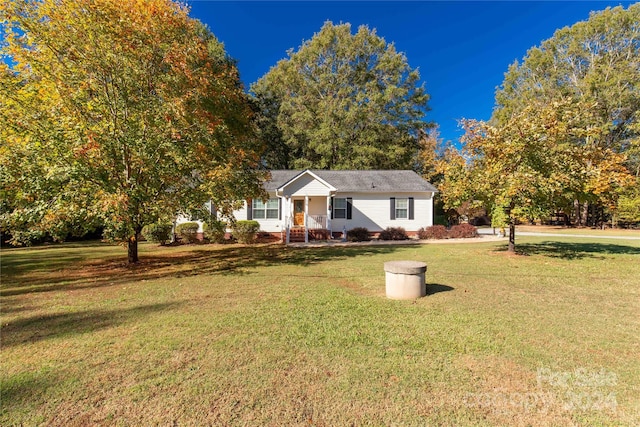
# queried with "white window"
point(267, 210)
point(339, 208)
point(402, 208)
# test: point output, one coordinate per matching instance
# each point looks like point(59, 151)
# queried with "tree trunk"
point(512, 236)
point(132, 249)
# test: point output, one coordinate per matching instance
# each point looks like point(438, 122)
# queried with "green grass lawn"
point(270, 335)
point(553, 229)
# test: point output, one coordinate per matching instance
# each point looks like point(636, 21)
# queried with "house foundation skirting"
point(297, 234)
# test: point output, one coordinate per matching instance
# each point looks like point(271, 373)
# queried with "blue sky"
point(461, 48)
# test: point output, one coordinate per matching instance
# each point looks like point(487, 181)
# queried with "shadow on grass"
point(434, 288)
point(569, 250)
point(225, 260)
point(4, 309)
point(50, 256)
point(21, 388)
point(38, 328)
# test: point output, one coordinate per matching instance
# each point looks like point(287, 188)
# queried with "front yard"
point(269, 335)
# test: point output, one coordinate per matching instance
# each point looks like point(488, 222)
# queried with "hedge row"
point(215, 231)
point(462, 231)
point(361, 234)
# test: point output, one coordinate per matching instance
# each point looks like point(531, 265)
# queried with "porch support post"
point(286, 208)
point(329, 217)
point(306, 220)
point(290, 210)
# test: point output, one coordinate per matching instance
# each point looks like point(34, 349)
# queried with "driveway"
point(489, 232)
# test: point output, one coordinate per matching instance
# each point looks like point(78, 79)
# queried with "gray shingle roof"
point(368, 181)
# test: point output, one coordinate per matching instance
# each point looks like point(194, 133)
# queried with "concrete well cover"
point(405, 267)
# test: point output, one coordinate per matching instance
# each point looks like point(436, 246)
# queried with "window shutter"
point(411, 208)
point(332, 207)
point(249, 210)
point(392, 211)
point(349, 208)
point(279, 208)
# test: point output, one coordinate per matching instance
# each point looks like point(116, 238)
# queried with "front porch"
point(306, 208)
point(307, 218)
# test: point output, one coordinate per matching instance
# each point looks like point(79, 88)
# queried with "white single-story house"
point(326, 203)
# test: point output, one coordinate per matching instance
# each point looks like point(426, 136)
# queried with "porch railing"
point(317, 222)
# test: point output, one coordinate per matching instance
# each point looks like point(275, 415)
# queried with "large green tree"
point(343, 101)
point(529, 164)
point(120, 113)
point(594, 63)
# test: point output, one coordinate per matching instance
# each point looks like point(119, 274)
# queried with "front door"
point(298, 213)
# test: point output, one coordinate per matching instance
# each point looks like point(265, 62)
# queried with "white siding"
point(268, 225)
point(369, 210)
point(317, 206)
point(372, 211)
point(241, 214)
point(306, 185)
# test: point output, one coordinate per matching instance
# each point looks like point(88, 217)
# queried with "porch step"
point(296, 235)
